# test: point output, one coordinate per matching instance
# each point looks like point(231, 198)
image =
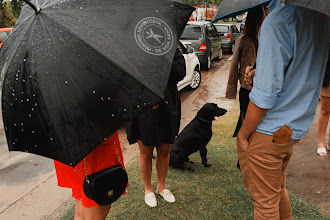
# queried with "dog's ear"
point(206, 112)
point(219, 111)
point(201, 110)
point(215, 106)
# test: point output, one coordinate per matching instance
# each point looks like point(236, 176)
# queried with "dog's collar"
point(203, 119)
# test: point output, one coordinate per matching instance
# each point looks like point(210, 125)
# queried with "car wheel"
point(220, 54)
point(195, 80)
point(232, 48)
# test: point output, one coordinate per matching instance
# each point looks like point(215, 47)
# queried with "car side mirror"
point(190, 49)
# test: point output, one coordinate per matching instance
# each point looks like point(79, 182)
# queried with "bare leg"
point(99, 213)
point(162, 162)
point(323, 121)
point(145, 166)
point(78, 210)
point(328, 142)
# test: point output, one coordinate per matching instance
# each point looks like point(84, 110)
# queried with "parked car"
point(4, 32)
point(229, 34)
point(241, 27)
point(193, 74)
point(205, 40)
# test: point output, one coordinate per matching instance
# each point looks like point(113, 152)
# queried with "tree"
point(6, 16)
point(16, 6)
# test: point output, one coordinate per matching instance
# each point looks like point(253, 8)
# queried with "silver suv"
point(205, 39)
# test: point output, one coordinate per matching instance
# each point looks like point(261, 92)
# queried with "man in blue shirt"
point(292, 55)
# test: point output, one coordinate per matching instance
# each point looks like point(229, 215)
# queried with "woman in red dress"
point(102, 157)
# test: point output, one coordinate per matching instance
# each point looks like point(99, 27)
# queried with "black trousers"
point(243, 104)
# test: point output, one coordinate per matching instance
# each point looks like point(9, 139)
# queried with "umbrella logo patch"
point(153, 36)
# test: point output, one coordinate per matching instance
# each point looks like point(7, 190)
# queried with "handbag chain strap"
point(119, 158)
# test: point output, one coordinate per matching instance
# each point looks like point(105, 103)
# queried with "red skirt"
point(102, 157)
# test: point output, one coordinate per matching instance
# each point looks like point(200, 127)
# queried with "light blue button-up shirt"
point(291, 61)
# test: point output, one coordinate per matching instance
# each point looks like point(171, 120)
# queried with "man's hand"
point(242, 141)
point(248, 76)
point(253, 117)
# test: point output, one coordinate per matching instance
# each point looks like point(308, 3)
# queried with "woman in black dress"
point(157, 128)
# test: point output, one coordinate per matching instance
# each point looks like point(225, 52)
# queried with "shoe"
point(150, 199)
point(328, 147)
point(322, 150)
point(167, 195)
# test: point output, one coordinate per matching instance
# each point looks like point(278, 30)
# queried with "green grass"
point(217, 192)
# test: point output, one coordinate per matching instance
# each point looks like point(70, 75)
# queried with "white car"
point(193, 73)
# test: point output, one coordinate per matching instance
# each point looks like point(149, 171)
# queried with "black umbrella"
point(77, 70)
point(322, 6)
point(230, 8)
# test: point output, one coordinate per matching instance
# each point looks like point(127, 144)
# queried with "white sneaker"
point(167, 195)
point(150, 199)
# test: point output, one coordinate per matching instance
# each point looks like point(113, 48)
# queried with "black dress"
point(161, 123)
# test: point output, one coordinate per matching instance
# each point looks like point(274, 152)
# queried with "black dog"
point(195, 136)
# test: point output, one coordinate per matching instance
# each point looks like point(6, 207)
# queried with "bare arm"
point(253, 116)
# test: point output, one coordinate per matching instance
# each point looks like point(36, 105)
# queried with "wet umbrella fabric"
point(322, 6)
point(78, 70)
point(229, 8)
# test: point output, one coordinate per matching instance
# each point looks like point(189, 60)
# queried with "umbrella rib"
point(46, 108)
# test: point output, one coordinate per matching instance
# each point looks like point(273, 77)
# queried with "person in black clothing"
point(158, 128)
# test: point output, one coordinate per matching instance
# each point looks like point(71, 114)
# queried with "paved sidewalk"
point(308, 175)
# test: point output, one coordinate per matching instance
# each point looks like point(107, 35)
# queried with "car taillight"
point(202, 47)
point(228, 36)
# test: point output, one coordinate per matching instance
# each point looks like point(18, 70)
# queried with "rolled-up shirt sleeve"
point(274, 55)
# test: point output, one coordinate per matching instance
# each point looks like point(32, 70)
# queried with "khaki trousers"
point(263, 166)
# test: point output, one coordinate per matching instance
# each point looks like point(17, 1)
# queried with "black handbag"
point(107, 185)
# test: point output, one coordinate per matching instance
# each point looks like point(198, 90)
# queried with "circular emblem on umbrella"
point(153, 36)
